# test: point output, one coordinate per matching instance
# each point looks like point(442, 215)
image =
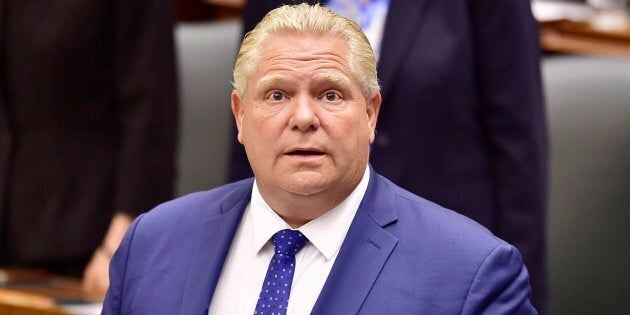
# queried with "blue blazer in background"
point(402, 255)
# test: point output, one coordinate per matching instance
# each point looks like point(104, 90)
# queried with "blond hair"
point(308, 19)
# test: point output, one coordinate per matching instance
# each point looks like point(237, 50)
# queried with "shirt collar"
point(326, 233)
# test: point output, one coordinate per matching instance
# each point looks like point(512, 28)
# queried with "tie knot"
point(288, 242)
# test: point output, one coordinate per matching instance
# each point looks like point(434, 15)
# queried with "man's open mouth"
point(305, 153)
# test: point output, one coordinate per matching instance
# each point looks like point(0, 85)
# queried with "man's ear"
point(373, 107)
point(238, 111)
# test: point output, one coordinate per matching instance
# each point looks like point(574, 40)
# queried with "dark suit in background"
point(88, 121)
point(462, 121)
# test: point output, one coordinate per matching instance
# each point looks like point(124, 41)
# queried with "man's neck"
point(297, 210)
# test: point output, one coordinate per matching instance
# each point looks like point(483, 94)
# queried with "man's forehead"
point(317, 53)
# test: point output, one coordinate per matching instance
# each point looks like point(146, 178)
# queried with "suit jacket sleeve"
point(146, 101)
point(508, 61)
point(500, 285)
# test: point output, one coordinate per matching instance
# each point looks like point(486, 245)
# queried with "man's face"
point(303, 120)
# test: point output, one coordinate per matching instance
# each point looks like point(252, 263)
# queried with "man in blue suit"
point(317, 230)
point(463, 121)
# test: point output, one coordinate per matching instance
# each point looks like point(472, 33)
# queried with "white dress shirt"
point(251, 251)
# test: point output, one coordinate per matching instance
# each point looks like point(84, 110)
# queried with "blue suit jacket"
point(402, 255)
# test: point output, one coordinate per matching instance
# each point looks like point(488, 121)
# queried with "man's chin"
point(306, 183)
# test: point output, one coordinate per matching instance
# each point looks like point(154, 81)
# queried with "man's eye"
point(276, 96)
point(332, 96)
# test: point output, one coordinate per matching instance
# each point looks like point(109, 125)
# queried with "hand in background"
point(96, 274)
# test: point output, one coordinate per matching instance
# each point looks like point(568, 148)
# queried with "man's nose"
point(304, 116)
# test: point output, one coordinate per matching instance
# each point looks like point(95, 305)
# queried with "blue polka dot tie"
point(274, 295)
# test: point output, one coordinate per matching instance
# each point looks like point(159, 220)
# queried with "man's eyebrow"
point(271, 80)
point(333, 78)
point(338, 79)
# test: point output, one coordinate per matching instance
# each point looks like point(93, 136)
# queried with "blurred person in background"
point(462, 121)
point(88, 121)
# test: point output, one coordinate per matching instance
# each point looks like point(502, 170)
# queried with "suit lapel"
point(363, 253)
point(404, 18)
point(213, 244)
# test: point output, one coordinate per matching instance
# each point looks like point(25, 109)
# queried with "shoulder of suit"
point(417, 212)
